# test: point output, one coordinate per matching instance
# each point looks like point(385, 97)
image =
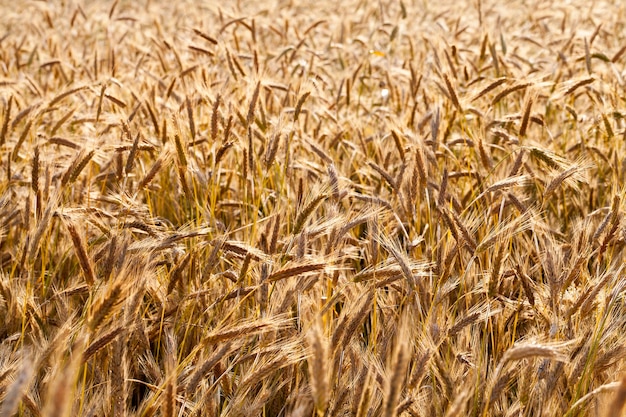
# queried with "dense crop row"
point(268, 208)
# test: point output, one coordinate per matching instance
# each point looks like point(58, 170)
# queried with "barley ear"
point(318, 367)
point(617, 405)
point(253, 102)
point(81, 253)
point(397, 376)
point(17, 389)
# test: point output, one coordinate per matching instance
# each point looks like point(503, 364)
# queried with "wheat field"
point(280, 208)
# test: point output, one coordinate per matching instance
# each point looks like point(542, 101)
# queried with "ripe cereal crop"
point(280, 208)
